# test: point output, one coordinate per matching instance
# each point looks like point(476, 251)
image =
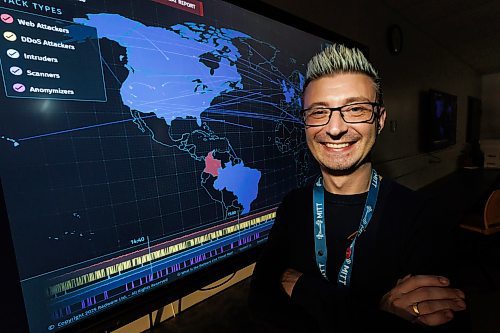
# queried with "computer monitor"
point(145, 146)
point(440, 121)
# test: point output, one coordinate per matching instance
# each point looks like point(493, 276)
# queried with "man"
point(352, 249)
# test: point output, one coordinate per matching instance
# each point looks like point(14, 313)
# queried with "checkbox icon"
point(14, 70)
point(19, 87)
point(6, 18)
point(14, 54)
point(10, 36)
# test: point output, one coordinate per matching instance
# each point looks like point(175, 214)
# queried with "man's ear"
point(381, 120)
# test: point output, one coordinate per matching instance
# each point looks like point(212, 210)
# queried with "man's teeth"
point(337, 145)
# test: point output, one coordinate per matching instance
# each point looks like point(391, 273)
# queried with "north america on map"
point(176, 73)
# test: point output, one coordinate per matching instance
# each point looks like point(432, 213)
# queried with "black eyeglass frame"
point(375, 113)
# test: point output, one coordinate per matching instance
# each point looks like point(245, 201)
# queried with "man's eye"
point(319, 112)
point(358, 109)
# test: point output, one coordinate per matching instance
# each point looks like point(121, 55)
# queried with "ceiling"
point(468, 29)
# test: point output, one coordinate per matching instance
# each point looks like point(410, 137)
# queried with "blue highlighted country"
point(174, 72)
point(240, 180)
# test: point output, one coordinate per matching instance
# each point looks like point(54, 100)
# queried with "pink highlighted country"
point(212, 165)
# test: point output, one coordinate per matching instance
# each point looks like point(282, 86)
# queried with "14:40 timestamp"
point(138, 240)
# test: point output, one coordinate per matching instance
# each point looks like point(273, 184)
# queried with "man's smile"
point(338, 145)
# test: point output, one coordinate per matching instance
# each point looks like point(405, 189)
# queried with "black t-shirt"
point(405, 236)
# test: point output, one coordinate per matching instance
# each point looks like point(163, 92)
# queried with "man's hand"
point(288, 280)
point(426, 299)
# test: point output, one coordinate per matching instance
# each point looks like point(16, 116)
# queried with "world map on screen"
point(178, 72)
point(161, 124)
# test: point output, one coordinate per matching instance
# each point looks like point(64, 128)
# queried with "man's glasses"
point(351, 113)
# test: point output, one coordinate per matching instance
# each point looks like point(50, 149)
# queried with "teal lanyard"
point(344, 276)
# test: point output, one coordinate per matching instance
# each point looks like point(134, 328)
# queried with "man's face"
point(339, 146)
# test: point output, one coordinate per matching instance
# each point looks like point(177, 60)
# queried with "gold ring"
point(414, 307)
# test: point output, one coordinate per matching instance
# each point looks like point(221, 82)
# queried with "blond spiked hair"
point(337, 59)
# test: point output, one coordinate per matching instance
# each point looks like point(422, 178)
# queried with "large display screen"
point(141, 141)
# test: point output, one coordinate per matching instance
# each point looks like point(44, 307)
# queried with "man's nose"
point(336, 126)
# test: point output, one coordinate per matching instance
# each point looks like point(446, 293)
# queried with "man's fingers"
point(423, 294)
point(435, 318)
point(434, 306)
point(289, 279)
point(404, 279)
point(408, 284)
point(426, 299)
